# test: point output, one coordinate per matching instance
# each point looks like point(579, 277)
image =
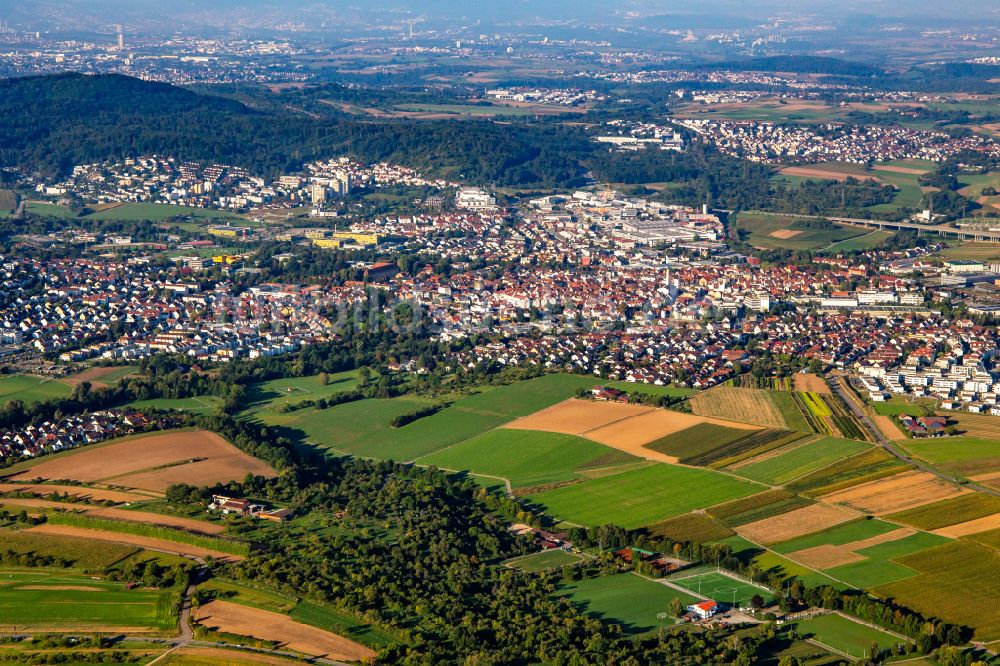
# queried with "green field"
point(957, 583)
point(868, 465)
point(363, 428)
point(642, 496)
point(81, 553)
point(693, 527)
point(953, 449)
point(838, 535)
point(202, 404)
point(491, 110)
point(801, 460)
point(722, 588)
point(526, 457)
point(881, 566)
point(758, 227)
point(772, 562)
point(696, 441)
point(949, 512)
point(158, 212)
point(30, 389)
point(64, 601)
point(51, 210)
point(757, 507)
point(846, 635)
point(268, 395)
point(870, 240)
point(626, 599)
point(543, 561)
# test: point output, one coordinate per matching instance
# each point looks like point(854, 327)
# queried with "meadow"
point(30, 389)
point(642, 496)
point(801, 460)
point(63, 601)
point(364, 428)
point(881, 565)
point(775, 232)
point(527, 457)
point(202, 404)
point(159, 212)
point(846, 635)
point(271, 394)
point(873, 463)
point(83, 554)
point(625, 599)
point(693, 527)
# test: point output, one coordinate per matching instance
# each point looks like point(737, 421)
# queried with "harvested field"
point(205, 656)
point(899, 169)
point(809, 519)
point(784, 234)
point(82, 492)
point(806, 172)
point(246, 621)
point(888, 427)
point(575, 417)
point(827, 556)
point(811, 383)
point(970, 527)
point(153, 462)
point(651, 426)
point(739, 404)
point(149, 543)
point(899, 492)
point(977, 425)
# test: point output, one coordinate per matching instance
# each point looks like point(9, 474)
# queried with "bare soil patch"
point(899, 492)
point(888, 427)
point(899, 169)
point(976, 526)
point(651, 426)
point(152, 463)
point(246, 621)
point(149, 543)
point(575, 417)
point(809, 519)
point(96, 494)
point(811, 383)
point(784, 234)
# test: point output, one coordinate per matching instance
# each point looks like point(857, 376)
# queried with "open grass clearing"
point(30, 389)
point(527, 458)
point(641, 496)
point(771, 232)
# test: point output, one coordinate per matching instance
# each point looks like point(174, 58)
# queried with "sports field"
point(30, 389)
point(635, 603)
point(543, 561)
point(641, 496)
point(846, 635)
point(722, 588)
point(38, 599)
point(201, 404)
point(527, 458)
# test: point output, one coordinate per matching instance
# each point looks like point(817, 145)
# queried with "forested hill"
point(51, 123)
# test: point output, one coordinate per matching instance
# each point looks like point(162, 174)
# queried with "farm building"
point(704, 609)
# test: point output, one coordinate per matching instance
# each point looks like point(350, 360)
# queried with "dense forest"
point(55, 122)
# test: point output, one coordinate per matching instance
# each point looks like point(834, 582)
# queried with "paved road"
point(851, 401)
